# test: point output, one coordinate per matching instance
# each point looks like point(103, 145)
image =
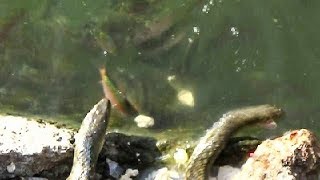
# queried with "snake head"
point(269, 124)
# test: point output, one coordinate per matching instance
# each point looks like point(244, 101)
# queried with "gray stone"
point(28, 147)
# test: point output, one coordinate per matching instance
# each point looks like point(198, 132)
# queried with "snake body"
point(89, 141)
point(211, 145)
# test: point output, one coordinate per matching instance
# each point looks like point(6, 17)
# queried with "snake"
point(216, 138)
point(89, 141)
point(91, 137)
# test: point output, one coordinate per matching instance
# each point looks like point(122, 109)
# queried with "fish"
point(116, 97)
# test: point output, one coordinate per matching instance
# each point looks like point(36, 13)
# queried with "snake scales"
point(210, 145)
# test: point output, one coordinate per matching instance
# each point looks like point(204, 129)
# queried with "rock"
point(180, 156)
point(225, 173)
point(28, 147)
point(144, 121)
point(115, 170)
point(295, 155)
point(129, 174)
point(165, 174)
point(33, 178)
point(135, 152)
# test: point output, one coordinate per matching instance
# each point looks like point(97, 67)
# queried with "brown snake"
point(210, 146)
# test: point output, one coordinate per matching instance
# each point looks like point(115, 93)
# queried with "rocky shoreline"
point(28, 147)
point(31, 149)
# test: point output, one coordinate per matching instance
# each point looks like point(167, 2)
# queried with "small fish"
point(116, 97)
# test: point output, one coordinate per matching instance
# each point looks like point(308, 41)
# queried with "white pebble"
point(186, 97)
point(11, 167)
point(144, 121)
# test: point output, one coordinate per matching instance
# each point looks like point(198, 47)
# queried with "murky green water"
point(224, 54)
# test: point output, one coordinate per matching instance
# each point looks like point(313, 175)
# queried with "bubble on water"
point(238, 69)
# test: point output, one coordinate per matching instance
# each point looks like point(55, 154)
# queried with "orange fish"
point(116, 97)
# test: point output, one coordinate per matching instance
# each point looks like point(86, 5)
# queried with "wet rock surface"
point(28, 147)
point(295, 155)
